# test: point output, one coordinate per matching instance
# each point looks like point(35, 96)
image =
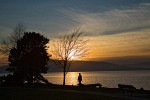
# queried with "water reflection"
point(106, 78)
point(71, 78)
point(57, 78)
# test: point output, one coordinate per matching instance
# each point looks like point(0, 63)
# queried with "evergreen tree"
point(29, 58)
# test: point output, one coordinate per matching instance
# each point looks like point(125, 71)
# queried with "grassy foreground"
point(20, 93)
point(37, 94)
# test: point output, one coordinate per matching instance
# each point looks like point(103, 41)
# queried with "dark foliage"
point(29, 58)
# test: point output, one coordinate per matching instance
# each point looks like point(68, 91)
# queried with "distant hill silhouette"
point(140, 66)
point(102, 66)
point(96, 66)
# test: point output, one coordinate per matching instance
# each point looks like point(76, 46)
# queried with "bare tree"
point(69, 48)
point(11, 41)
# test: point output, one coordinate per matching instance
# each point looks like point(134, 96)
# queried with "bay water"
point(111, 79)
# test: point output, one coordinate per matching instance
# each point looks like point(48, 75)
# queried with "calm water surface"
point(106, 78)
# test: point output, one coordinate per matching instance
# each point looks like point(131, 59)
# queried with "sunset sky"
point(117, 29)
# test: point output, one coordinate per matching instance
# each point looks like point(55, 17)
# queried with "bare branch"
point(11, 41)
point(69, 48)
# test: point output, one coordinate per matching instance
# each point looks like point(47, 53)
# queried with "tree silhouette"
point(69, 48)
point(29, 58)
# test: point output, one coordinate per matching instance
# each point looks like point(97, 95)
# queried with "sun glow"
point(126, 44)
point(74, 55)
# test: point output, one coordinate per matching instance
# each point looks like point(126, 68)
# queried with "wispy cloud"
point(110, 22)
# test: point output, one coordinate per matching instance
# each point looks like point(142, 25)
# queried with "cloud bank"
point(110, 22)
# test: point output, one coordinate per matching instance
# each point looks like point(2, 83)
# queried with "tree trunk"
point(64, 79)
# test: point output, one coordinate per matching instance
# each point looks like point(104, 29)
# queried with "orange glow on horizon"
point(118, 45)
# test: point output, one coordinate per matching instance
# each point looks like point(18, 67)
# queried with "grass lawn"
point(39, 94)
point(59, 92)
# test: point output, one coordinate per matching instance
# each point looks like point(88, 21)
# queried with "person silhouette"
point(80, 79)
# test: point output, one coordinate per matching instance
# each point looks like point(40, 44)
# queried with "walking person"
point(80, 79)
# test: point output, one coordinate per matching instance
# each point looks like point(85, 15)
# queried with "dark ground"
point(58, 92)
